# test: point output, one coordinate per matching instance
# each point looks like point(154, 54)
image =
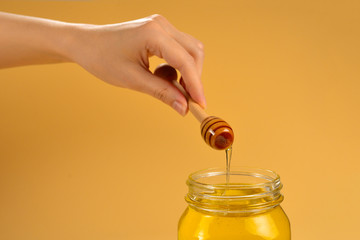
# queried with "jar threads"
point(250, 190)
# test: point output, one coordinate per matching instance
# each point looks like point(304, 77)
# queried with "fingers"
point(182, 52)
point(160, 88)
point(178, 57)
point(196, 49)
point(190, 44)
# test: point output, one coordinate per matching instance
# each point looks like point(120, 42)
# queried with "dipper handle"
point(216, 132)
point(198, 112)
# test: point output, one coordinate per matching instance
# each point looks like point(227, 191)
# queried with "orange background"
point(80, 159)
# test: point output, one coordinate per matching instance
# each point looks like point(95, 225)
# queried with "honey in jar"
point(243, 204)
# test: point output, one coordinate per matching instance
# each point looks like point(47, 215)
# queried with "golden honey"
point(246, 208)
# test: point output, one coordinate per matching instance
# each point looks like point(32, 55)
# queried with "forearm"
point(29, 40)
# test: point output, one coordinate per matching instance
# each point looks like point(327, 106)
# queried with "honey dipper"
point(216, 132)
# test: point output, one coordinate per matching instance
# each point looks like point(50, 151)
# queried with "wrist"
point(66, 41)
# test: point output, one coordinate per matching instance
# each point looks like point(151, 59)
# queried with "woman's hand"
point(118, 54)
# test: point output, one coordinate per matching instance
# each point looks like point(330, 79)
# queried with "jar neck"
point(249, 191)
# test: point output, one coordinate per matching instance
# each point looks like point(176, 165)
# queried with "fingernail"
point(181, 109)
point(204, 103)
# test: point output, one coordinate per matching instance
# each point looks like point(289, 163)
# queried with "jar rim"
point(271, 177)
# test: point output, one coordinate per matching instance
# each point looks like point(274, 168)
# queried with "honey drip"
point(228, 153)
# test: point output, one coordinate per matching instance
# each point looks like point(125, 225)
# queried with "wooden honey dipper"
point(216, 132)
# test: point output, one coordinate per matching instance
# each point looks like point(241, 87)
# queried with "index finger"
point(193, 46)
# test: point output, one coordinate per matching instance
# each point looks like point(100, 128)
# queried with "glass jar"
point(241, 205)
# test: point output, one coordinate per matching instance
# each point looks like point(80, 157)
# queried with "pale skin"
point(115, 53)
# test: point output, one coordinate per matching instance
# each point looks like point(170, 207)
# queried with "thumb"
point(166, 92)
